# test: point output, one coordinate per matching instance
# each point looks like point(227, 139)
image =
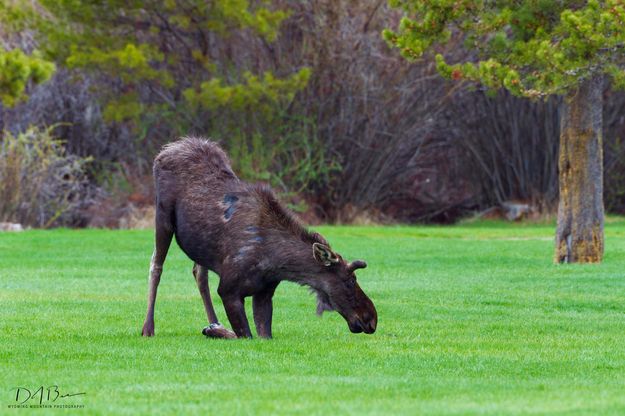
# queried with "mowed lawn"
point(473, 319)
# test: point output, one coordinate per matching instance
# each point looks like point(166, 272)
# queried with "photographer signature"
point(43, 394)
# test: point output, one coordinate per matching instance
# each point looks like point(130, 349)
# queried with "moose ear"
point(324, 255)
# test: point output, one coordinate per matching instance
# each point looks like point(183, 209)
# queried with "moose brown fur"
point(243, 233)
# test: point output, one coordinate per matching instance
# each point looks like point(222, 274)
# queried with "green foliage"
point(174, 67)
point(531, 48)
point(171, 68)
point(13, 15)
point(292, 161)
point(166, 48)
point(18, 69)
point(260, 94)
point(130, 63)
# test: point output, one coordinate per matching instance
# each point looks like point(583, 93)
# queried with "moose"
point(243, 233)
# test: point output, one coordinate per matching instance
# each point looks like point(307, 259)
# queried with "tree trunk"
point(579, 237)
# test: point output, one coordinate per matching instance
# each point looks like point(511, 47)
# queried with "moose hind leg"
point(201, 278)
point(164, 234)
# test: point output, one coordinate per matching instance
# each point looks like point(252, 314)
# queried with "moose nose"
point(355, 326)
point(369, 327)
point(359, 325)
point(369, 324)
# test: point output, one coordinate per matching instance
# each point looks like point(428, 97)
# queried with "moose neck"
point(309, 279)
point(298, 264)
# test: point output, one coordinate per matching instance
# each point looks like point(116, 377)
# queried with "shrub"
point(372, 110)
point(509, 147)
point(42, 185)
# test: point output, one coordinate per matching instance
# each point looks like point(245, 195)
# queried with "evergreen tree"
point(17, 70)
point(166, 61)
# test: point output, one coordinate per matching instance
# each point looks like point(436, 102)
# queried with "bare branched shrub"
point(614, 152)
point(371, 137)
point(373, 111)
point(42, 185)
point(614, 176)
point(509, 147)
point(353, 141)
point(73, 104)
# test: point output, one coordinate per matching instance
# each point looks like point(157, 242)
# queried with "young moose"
point(242, 233)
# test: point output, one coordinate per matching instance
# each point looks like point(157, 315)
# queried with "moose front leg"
point(262, 305)
point(235, 310)
point(164, 234)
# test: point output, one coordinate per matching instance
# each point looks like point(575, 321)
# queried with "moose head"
point(339, 291)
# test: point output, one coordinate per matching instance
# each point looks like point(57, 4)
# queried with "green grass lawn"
point(473, 319)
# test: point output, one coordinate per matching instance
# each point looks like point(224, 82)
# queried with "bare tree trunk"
point(579, 237)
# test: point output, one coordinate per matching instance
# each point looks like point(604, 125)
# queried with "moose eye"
point(351, 282)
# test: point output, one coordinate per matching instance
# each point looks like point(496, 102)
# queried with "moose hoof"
point(148, 330)
point(218, 331)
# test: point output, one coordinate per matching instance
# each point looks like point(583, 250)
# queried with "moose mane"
point(274, 214)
